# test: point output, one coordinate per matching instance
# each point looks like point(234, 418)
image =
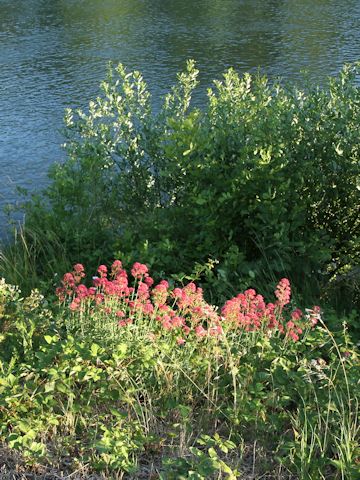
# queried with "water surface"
point(53, 54)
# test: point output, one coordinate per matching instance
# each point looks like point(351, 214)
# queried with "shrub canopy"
point(265, 178)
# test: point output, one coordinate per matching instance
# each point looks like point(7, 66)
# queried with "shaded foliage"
point(264, 179)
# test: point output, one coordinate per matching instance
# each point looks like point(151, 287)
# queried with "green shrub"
point(264, 179)
point(23, 321)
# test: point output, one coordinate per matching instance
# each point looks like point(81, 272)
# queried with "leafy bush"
point(23, 321)
point(264, 179)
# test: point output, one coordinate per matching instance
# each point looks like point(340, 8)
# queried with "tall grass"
point(32, 259)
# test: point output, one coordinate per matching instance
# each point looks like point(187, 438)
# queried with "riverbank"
point(116, 371)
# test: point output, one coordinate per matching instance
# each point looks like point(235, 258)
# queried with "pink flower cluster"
point(182, 311)
point(249, 312)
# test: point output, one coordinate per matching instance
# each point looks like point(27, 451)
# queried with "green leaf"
point(94, 350)
point(49, 339)
point(212, 453)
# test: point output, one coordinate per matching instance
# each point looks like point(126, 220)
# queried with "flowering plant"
point(115, 304)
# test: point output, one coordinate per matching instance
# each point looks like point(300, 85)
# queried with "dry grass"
point(255, 465)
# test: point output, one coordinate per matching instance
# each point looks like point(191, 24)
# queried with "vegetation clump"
point(264, 181)
point(148, 380)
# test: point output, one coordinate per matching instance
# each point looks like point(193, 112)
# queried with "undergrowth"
point(133, 378)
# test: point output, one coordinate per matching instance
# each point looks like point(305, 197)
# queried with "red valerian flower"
point(283, 292)
point(200, 331)
point(186, 330)
point(60, 293)
point(139, 270)
point(167, 323)
point(68, 280)
point(215, 330)
point(116, 267)
point(75, 304)
point(190, 287)
point(102, 270)
point(81, 291)
point(159, 293)
point(296, 314)
point(78, 272)
point(178, 321)
point(149, 281)
point(148, 308)
point(181, 309)
point(177, 293)
point(251, 293)
point(293, 335)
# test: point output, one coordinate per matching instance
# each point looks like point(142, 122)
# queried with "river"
point(53, 54)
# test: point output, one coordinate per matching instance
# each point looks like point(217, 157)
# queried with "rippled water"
point(53, 54)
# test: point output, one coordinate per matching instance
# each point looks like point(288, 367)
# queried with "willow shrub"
point(264, 178)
